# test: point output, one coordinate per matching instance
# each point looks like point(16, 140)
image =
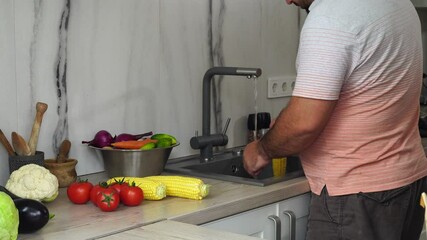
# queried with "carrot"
point(133, 144)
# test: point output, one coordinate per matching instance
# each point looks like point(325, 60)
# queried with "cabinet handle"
point(292, 224)
point(277, 226)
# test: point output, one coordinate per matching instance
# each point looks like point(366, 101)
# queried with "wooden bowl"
point(65, 172)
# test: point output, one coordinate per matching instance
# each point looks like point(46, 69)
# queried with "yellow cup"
point(279, 167)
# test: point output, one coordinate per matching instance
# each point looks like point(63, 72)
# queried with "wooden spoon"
point(20, 145)
point(6, 144)
point(40, 110)
point(64, 149)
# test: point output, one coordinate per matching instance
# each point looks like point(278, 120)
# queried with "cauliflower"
point(34, 182)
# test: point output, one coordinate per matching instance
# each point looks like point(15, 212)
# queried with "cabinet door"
point(254, 222)
point(293, 213)
point(423, 235)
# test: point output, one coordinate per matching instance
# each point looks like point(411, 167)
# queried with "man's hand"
point(254, 158)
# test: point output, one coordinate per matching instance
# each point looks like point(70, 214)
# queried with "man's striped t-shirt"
point(367, 55)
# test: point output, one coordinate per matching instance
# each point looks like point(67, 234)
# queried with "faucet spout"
point(206, 118)
point(207, 141)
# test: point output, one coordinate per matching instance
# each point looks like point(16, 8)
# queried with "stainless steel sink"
point(228, 166)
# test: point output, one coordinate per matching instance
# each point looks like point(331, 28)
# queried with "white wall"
point(135, 66)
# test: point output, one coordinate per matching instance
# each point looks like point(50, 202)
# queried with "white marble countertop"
point(88, 222)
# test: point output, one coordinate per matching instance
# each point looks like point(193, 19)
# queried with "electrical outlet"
point(281, 86)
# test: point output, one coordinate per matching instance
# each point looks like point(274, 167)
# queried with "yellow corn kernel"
point(185, 187)
point(152, 190)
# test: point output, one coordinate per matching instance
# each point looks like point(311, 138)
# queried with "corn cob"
point(152, 190)
point(185, 187)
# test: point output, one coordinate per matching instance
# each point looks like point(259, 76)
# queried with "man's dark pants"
point(388, 215)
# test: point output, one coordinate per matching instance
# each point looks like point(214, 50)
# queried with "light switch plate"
point(281, 86)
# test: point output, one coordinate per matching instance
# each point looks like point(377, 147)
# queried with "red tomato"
point(131, 195)
point(108, 200)
point(118, 184)
point(116, 187)
point(95, 190)
point(79, 192)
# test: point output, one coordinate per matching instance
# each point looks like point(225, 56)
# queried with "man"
point(353, 120)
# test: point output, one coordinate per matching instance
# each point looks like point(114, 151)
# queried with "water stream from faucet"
point(255, 83)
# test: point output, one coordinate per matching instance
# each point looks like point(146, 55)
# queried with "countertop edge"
point(293, 188)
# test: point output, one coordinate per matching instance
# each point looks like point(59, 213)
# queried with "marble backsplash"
point(136, 66)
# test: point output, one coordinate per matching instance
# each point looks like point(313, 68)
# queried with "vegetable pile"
point(32, 215)
point(106, 197)
point(144, 141)
point(27, 186)
point(158, 187)
point(132, 191)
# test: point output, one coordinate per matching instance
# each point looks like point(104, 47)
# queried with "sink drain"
point(234, 168)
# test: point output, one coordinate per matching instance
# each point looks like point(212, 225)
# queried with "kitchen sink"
point(228, 166)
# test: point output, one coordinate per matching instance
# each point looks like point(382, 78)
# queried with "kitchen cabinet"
point(419, 3)
point(285, 220)
point(258, 222)
point(423, 235)
point(294, 212)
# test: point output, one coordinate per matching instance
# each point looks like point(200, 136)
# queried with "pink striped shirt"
point(366, 54)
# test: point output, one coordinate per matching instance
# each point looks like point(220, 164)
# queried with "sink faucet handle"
point(224, 131)
point(196, 133)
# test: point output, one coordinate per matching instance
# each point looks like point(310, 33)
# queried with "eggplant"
point(33, 215)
